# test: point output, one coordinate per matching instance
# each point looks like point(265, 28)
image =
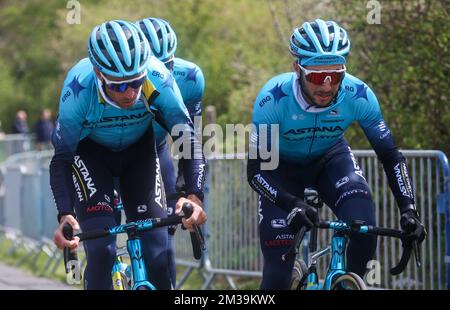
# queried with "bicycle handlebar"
point(293, 249)
point(197, 239)
point(68, 254)
point(408, 242)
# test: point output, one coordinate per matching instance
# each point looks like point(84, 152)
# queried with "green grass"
point(195, 281)
point(35, 267)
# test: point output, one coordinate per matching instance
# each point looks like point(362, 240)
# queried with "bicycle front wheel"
point(348, 281)
point(298, 273)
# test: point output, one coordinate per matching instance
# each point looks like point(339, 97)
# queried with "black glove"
point(302, 215)
point(411, 224)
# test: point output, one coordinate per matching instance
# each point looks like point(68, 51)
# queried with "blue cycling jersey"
point(190, 81)
point(84, 112)
point(307, 132)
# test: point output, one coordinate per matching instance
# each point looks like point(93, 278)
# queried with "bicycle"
point(338, 278)
point(139, 275)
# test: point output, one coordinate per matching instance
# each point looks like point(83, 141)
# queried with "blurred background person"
point(20, 124)
point(43, 129)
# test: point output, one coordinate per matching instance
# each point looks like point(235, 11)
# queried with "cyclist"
point(189, 78)
point(105, 130)
point(313, 107)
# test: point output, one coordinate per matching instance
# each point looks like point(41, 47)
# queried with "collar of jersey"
point(147, 90)
point(298, 95)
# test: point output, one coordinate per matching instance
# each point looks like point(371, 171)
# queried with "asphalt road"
point(15, 279)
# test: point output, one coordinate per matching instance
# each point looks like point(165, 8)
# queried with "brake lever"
point(417, 257)
point(68, 254)
point(403, 260)
point(200, 237)
point(197, 240)
point(293, 248)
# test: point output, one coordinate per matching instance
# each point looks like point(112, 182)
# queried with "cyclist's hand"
point(411, 224)
point(302, 215)
point(198, 216)
point(58, 237)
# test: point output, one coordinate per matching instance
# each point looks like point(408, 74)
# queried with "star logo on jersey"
point(75, 86)
point(334, 112)
point(169, 82)
point(191, 74)
point(361, 91)
point(277, 93)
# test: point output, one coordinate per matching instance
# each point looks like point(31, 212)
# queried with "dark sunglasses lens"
point(120, 88)
point(137, 84)
point(320, 78)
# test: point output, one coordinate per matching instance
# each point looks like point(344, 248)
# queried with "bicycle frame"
point(137, 263)
point(134, 247)
point(337, 266)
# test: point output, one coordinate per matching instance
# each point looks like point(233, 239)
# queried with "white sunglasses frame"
point(123, 81)
point(307, 72)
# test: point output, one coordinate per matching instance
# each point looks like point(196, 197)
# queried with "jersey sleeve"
point(194, 104)
point(369, 116)
point(265, 114)
point(73, 107)
point(173, 113)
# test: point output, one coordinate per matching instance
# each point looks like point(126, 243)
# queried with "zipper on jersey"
point(313, 137)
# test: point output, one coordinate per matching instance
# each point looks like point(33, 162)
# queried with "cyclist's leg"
point(275, 236)
point(142, 197)
point(93, 198)
point(168, 175)
point(117, 212)
point(343, 187)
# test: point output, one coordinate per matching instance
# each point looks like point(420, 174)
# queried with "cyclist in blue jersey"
point(313, 107)
point(189, 78)
point(104, 130)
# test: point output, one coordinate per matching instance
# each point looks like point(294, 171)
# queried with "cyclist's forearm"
point(194, 166)
point(194, 173)
point(265, 185)
point(61, 184)
point(400, 183)
point(394, 165)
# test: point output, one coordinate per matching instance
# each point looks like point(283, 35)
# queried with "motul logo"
point(99, 208)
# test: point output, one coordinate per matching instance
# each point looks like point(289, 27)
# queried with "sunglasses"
point(122, 86)
point(322, 76)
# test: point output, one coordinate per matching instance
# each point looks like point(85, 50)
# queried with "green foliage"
point(240, 44)
point(406, 61)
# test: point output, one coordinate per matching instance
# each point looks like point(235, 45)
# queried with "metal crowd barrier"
point(27, 212)
point(15, 143)
point(27, 216)
point(233, 240)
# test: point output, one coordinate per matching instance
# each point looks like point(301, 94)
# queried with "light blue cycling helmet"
point(162, 38)
point(320, 43)
point(119, 49)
